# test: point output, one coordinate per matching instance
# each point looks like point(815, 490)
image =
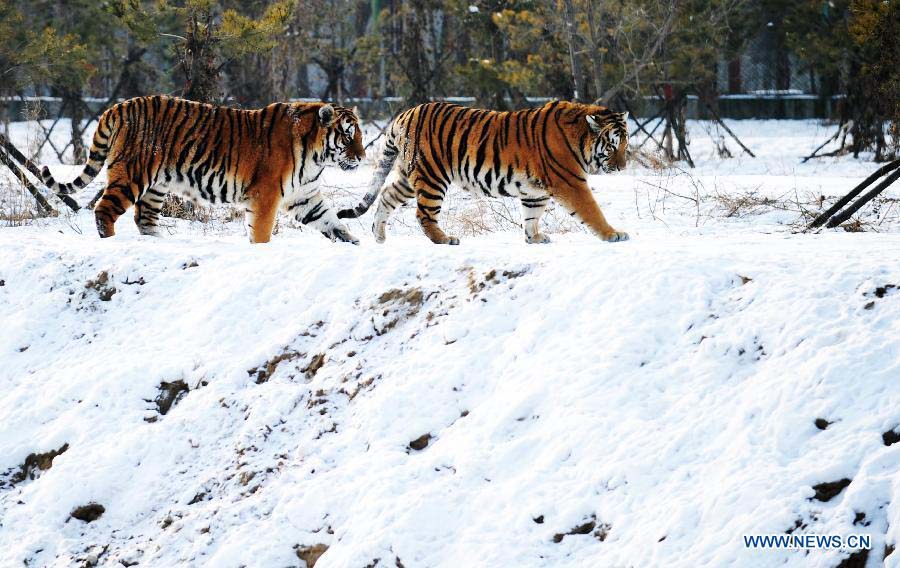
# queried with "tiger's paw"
point(539, 238)
point(615, 237)
point(379, 233)
point(105, 229)
point(341, 234)
point(452, 241)
point(150, 231)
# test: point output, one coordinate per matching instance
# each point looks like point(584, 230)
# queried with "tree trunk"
point(571, 33)
point(72, 100)
point(596, 54)
point(198, 60)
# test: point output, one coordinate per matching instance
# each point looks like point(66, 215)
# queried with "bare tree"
point(575, 60)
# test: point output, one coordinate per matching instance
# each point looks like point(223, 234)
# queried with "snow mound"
point(201, 401)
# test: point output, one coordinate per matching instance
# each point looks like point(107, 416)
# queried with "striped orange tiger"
point(532, 154)
point(260, 159)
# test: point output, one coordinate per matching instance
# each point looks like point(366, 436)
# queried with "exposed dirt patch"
point(396, 305)
point(93, 555)
point(822, 424)
point(264, 372)
point(891, 437)
point(830, 489)
point(310, 554)
point(169, 395)
point(492, 278)
point(88, 513)
point(798, 524)
point(856, 560)
point(314, 365)
point(412, 296)
point(421, 442)
point(586, 528)
point(362, 386)
point(879, 292)
point(33, 463)
point(603, 531)
point(102, 286)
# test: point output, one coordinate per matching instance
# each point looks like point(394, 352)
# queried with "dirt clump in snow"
point(830, 489)
point(891, 437)
point(396, 305)
point(263, 372)
point(492, 278)
point(585, 528)
point(879, 292)
point(102, 286)
point(33, 463)
point(88, 513)
point(169, 395)
point(314, 365)
point(421, 442)
point(856, 560)
point(311, 554)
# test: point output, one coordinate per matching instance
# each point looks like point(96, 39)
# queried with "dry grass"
point(17, 207)
point(650, 160)
point(206, 220)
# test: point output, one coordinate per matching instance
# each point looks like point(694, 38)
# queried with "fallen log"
point(834, 218)
point(13, 152)
point(42, 202)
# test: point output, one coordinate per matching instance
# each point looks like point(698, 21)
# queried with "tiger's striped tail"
point(96, 158)
point(382, 169)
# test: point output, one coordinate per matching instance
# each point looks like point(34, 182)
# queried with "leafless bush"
point(16, 207)
point(743, 204)
point(34, 113)
point(650, 160)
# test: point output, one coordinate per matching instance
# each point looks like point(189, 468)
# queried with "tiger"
point(532, 154)
point(258, 159)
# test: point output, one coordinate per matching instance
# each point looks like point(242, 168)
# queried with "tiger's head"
point(343, 136)
point(607, 142)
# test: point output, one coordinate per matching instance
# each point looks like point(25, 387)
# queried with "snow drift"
point(228, 405)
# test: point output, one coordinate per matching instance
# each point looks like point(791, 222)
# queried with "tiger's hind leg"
point(147, 211)
point(429, 198)
point(532, 209)
point(392, 197)
point(118, 196)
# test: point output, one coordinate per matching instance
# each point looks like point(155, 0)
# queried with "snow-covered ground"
point(414, 405)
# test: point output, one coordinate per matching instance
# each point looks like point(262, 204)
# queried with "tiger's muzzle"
point(348, 165)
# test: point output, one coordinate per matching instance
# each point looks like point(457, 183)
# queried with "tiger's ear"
point(326, 115)
point(356, 111)
point(593, 123)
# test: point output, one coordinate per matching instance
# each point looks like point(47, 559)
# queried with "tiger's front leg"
point(313, 211)
point(580, 202)
point(260, 210)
